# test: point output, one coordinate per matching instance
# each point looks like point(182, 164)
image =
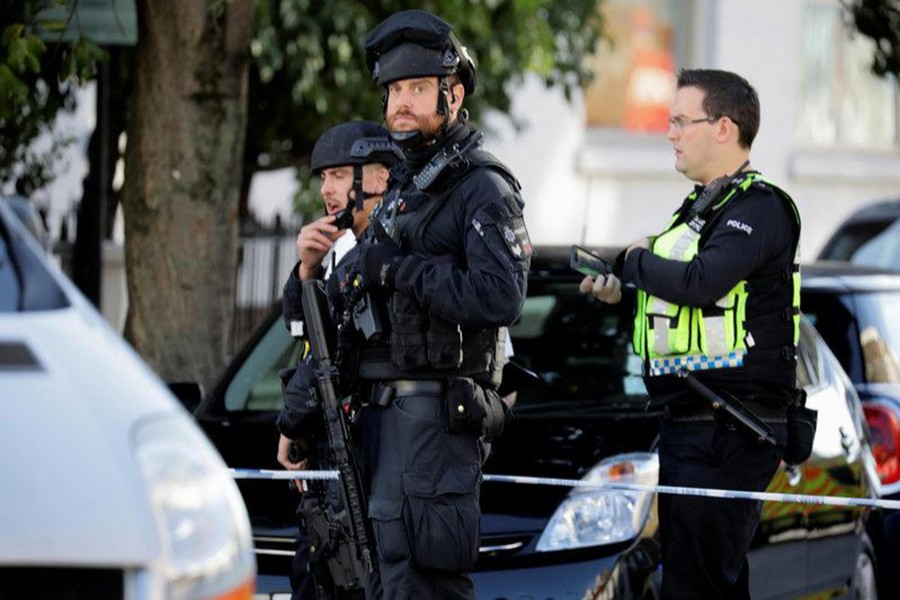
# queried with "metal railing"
point(265, 258)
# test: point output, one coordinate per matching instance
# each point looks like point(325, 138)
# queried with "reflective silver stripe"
point(672, 364)
point(658, 306)
point(661, 313)
point(661, 335)
point(715, 335)
point(683, 244)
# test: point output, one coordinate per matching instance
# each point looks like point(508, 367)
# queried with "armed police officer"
point(444, 263)
point(717, 306)
point(352, 160)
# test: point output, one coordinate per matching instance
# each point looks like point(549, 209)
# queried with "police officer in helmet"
point(445, 261)
point(352, 159)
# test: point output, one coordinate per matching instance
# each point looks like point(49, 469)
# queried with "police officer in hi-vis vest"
point(717, 299)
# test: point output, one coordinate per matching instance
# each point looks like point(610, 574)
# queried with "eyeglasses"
point(679, 123)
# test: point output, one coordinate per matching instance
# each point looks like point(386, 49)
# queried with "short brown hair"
point(727, 95)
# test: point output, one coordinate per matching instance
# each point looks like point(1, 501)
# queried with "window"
point(580, 349)
point(838, 328)
point(841, 102)
point(808, 365)
point(879, 336)
point(635, 64)
point(257, 386)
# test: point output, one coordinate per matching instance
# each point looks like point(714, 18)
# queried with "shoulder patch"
point(515, 234)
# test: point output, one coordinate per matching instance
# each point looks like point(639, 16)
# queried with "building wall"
point(609, 187)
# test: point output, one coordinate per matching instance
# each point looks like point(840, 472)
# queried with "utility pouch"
point(408, 342)
point(444, 341)
point(474, 410)
point(801, 426)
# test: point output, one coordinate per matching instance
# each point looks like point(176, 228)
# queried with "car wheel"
point(863, 586)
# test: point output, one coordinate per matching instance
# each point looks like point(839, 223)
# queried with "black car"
point(855, 310)
point(587, 418)
point(869, 236)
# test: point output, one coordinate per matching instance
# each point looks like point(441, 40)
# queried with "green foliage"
point(880, 21)
point(309, 68)
point(37, 80)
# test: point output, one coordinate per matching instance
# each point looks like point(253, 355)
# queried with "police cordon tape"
point(630, 487)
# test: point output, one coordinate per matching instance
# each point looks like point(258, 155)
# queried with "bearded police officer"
point(445, 264)
point(717, 301)
point(352, 160)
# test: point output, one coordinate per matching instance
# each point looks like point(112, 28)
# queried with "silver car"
point(109, 490)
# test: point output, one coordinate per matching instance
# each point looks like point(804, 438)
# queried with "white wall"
point(609, 188)
point(543, 156)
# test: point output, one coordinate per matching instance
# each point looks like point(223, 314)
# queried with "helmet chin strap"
point(361, 195)
point(442, 108)
point(357, 187)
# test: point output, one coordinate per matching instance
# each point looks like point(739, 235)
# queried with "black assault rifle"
point(340, 444)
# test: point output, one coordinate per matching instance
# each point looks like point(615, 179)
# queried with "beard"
point(428, 125)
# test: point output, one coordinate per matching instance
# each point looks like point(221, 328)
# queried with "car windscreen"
point(872, 243)
point(580, 349)
point(26, 283)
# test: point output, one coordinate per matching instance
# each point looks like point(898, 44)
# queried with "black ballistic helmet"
point(353, 143)
point(416, 43)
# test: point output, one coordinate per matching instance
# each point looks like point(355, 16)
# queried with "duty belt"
point(681, 412)
point(384, 392)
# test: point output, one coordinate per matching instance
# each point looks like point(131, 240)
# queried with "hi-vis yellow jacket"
point(672, 337)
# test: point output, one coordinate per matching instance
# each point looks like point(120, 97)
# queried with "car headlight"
point(593, 517)
point(207, 549)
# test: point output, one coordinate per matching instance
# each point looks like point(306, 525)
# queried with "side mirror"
point(189, 393)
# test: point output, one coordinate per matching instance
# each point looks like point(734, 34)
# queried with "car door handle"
point(846, 441)
point(793, 473)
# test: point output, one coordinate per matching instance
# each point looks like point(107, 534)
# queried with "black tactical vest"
point(422, 345)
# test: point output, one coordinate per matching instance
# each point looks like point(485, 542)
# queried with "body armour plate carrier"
point(422, 345)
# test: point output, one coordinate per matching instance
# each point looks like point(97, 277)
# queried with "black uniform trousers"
point(424, 499)
point(705, 540)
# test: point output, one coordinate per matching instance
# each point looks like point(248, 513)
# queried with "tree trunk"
point(182, 182)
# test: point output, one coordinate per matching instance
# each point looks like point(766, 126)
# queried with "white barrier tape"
point(703, 492)
point(631, 487)
point(264, 474)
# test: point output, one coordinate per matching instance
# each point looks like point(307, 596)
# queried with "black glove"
point(380, 263)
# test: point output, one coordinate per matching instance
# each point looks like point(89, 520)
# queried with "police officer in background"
point(718, 299)
point(352, 159)
point(445, 262)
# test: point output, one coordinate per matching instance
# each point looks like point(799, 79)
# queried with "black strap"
point(474, 159)
point(713, 191)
